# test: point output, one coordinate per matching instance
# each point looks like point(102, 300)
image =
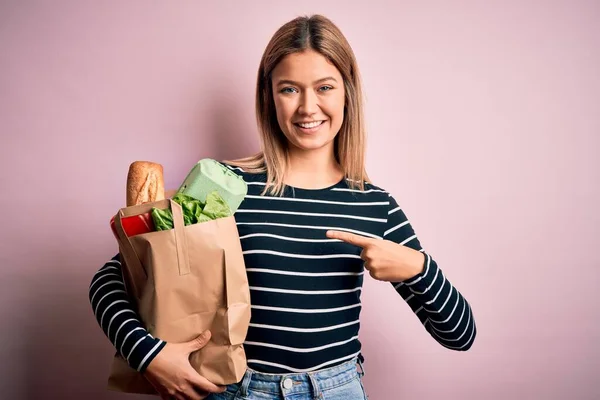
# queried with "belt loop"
point(243, 390)
point(361, 373)
point(316, 391)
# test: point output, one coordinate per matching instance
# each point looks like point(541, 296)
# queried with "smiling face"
point(309, 98)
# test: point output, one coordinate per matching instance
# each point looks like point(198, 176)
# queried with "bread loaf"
point(145, 183)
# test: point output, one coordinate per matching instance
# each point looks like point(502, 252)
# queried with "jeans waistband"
point(300, 383)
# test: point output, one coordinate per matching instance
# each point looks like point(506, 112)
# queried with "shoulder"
point(370, 190)
point(377, 193)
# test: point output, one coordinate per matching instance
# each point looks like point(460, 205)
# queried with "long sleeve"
point(440, 307)
point(118, 319)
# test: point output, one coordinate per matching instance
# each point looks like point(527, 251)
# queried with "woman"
point(311, 225)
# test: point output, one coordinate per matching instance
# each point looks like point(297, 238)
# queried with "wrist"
point(416, 266)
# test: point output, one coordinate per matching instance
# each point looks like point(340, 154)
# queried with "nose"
point(309, 104)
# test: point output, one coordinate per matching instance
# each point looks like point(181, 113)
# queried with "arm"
point(171, 373)
point(440, 307)
point(117, 318)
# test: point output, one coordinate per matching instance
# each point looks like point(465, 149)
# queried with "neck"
point(313, 169)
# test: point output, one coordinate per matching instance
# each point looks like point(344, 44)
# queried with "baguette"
point(145, 183)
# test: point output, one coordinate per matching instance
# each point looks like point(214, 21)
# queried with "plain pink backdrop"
point(483, 121)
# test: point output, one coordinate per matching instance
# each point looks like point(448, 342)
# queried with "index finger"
point(357, 240)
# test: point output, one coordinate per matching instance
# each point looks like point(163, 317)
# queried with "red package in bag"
point(135, 225)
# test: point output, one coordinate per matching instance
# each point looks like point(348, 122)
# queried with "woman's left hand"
point(385, 260)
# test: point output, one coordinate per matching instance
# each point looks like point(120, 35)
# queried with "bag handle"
point(227, 272)
point(134, 266)
point(183, 259)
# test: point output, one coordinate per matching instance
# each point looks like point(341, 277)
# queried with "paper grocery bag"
point(182, 282)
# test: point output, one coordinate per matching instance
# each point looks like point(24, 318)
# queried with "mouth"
point(309, 127)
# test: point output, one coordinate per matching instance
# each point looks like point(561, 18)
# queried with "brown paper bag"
point(184, 281)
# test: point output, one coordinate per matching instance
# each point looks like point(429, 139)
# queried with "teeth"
point(311, 124)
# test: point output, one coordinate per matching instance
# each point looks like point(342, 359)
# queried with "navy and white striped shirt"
point(305, 288)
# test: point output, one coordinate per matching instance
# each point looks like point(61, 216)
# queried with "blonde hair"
point(319, 34)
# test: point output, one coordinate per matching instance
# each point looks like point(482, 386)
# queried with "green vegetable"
point(194, 211)
point(204, 218)
point(163, 219)
point(216, 206)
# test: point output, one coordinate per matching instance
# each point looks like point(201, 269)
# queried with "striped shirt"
point(304, 287)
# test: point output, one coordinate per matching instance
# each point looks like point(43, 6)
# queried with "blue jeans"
point(342, 382)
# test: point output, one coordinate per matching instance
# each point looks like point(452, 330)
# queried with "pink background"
point(484, 121)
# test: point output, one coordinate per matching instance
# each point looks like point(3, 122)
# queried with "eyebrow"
point(290, 82)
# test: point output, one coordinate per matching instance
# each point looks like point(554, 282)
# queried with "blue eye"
point(287, 90)
point(325, 88)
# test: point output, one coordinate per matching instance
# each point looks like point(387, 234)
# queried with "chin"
point(310, 145)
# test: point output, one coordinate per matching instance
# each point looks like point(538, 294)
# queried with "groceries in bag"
point(145, 184)
point(188, 275)
point(209, 191)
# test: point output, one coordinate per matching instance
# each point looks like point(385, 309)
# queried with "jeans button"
point(287, 383)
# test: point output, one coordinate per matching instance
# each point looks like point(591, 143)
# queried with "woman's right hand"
point(172, 375)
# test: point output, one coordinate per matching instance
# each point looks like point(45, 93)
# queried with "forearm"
point(118, 319)
point(442, 309)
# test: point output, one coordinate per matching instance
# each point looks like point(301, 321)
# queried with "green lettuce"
point(194, 211)
point(163, 219)
point(216, 206)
